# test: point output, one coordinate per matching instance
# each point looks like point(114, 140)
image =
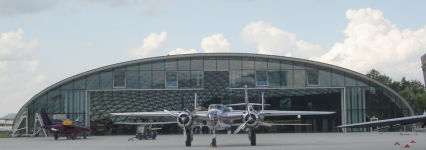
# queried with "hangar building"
point(170, 82)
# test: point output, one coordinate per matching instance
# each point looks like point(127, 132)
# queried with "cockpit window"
point(215, 107)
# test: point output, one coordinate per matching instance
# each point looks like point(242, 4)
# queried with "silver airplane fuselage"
point(217, 117)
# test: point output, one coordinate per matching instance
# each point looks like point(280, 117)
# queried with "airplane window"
point(211, 107)
point(218, 107)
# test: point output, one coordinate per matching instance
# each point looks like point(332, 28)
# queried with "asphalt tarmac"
point(290, 141)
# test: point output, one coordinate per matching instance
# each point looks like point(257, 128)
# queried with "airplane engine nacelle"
point(185, 120)
point(252, 119)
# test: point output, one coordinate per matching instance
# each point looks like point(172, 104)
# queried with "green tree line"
point(413, 91)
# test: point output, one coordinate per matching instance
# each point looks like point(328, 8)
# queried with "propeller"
point(240, 127)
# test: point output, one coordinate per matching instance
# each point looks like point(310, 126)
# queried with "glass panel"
point(362, 82)
point(184, 79)
point(79, 101)
point(132, 79)
point(54, 101)
point(171, 64)
point(80, 83)
point(119, 79)
point(132, 67)
point(309, 66)
point(41, 103)
point(261, 78)
point(286, 78)
point(273, 64)
point(299, 78)
point(197, 79)
point(337, 78)
point(350, 80)
point(93, 81)
point(145, 79)
point(236, 78)
point(67, 86)
point(106, 80)
point(146, 66)
point(261, 64)
point(184, 64)
point(274, 78)
point(248, 63)
point(248, 78)
point(376, 100)
point(313, 75)
point(171, 79)
point(158, 65)
point(67, 99)
point(197, 63)
point(286, 64)
point(158, 80)
point(325, 78)
point(235, 63)
point(299, 65)
point(209, 63)
point(222, 64)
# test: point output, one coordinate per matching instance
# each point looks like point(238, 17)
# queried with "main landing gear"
point(56, 136)
point(252, 138)
point(213, 144)
point(188, 137)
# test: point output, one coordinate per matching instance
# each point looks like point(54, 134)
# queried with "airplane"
point(389, 123)
point(67, 127)
point(220, 117)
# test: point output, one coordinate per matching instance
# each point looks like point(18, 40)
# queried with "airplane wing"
point(143, 123)
point(148, 114)
point(390, 122)
point(251, 104)
point(290, 113)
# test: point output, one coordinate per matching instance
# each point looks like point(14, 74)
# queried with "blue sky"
point(45, 41)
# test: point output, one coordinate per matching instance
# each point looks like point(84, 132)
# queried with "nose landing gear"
point(213, 144)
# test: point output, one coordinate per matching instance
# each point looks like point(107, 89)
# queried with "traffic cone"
point(397, 143)
point(412, 141)
point(405, 146)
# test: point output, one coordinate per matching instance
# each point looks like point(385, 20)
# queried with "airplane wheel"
point(56, 137)
point(73, 136)
point(147, 137)
point(214, 143)
point(154, 137)
point(84, 136)
point(253, 139)
point(188, 140)
point(140, 138)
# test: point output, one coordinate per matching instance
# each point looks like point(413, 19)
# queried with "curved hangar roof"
point(360, 78)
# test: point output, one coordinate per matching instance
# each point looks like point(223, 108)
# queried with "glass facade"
point(170, 83)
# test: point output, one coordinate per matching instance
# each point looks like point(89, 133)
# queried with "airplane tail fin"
point(45, 118)
point(246, 98)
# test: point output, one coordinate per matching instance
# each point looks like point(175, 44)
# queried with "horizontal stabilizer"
point(143, 123)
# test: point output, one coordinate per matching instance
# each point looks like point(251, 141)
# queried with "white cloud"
point(31, 65)
point(40, 78)
point(182, 51)
point(11, 46)
point(271, 40)
point(373, 42)
point(153, 42)
point(17, 71)
point(215, 44)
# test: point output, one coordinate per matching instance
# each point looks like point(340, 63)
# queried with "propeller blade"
point(184, 132)
point(195, 111)
point(171, 113)
point(239, 128)
point(265, 124)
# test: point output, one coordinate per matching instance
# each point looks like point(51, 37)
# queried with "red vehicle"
point(67, 128)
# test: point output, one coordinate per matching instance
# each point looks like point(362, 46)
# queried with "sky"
point(45, 41)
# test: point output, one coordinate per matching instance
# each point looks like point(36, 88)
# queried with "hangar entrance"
point(101, 103)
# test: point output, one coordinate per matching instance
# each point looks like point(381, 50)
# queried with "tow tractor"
point(142, 132)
